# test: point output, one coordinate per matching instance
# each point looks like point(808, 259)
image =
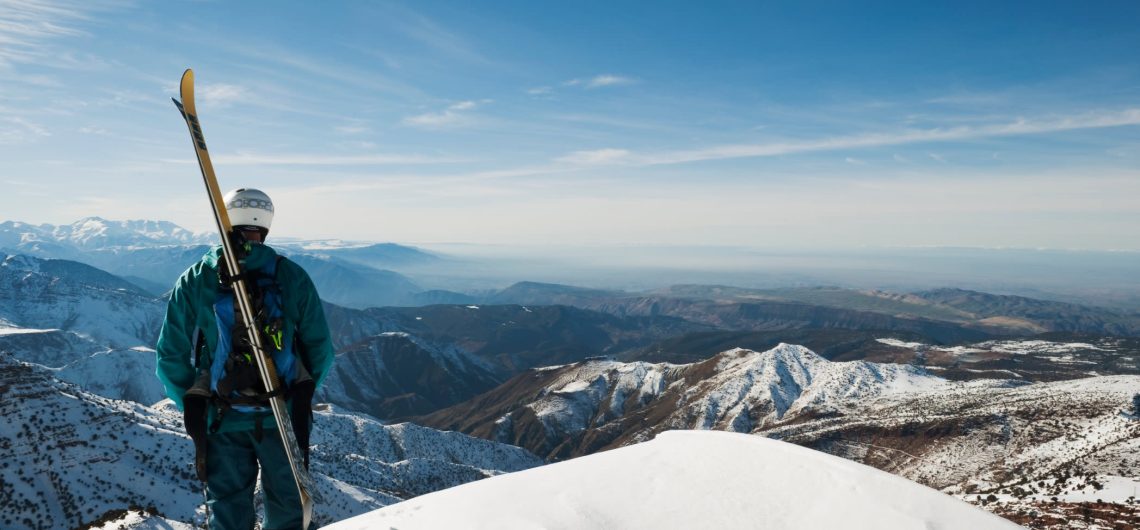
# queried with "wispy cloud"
point(602, 80)
point(261, 159)
point(970, 99)
point(455, 114)
point(1103, 119)
point(352, 128)
point(19, 130)
point(596, 157)
point(221, 95)
point(435, 36)
point(608, 80)
point(26, 25)
point(540, 91)
point(99, 131)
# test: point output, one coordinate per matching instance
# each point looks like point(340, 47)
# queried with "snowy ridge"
point(117, 374)
point(738, 390)
point(1018, 442)
point(93, 233)
point(689, 480)
point(73, 456)
point(53, 348)
point(58, 294)
point(569, 404)
point(752, 389)
point(1018, 347)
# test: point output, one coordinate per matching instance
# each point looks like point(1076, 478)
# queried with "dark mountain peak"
point(406, 376)
point(19, 268)
point(21, 263)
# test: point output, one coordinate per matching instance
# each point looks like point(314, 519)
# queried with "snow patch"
point(901, 344)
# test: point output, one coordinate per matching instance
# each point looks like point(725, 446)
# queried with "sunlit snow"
point(689, 479)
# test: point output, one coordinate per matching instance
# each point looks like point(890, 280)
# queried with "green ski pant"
point(232, 460)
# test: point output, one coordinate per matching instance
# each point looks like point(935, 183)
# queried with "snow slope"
point(689, 479)
point(69, 457)
point(580, 408)
point(71, 296)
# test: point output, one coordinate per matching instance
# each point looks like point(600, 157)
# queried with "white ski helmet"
point(249, 207)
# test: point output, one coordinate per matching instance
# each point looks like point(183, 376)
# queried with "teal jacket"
point(191, 309)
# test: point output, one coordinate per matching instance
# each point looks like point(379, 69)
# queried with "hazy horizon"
point(1094, 277)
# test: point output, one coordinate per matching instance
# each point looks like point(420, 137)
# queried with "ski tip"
point(189, 73)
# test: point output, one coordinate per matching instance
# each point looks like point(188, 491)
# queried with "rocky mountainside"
point(68, 457)
point(47, 347)
point(394, 375)
point(394, 363)
point(830, 343)
point(751, 315)
point(1040, 315)
point(566, 411)
point(1041, 357)
point(512, 338)
point(1015, 447)
point(1044, 357)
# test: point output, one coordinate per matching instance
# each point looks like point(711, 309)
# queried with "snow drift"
point(689, 479)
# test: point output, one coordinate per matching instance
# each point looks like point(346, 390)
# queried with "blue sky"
point(800, 124)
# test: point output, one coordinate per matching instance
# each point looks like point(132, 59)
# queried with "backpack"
point(235, 381)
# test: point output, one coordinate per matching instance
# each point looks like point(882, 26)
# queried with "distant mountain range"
point(152, 254)
point(944, 315)
point(94, 233)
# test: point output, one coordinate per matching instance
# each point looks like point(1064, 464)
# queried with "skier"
point(200, 362)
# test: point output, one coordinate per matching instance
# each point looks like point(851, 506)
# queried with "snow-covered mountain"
point(152, 254)
point(96, 233)
point(689, 480)
point(1017, 447)
point(69, 457)
point(70, 296)
point(47, 347)
point(124, 374)
point(576, 409)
